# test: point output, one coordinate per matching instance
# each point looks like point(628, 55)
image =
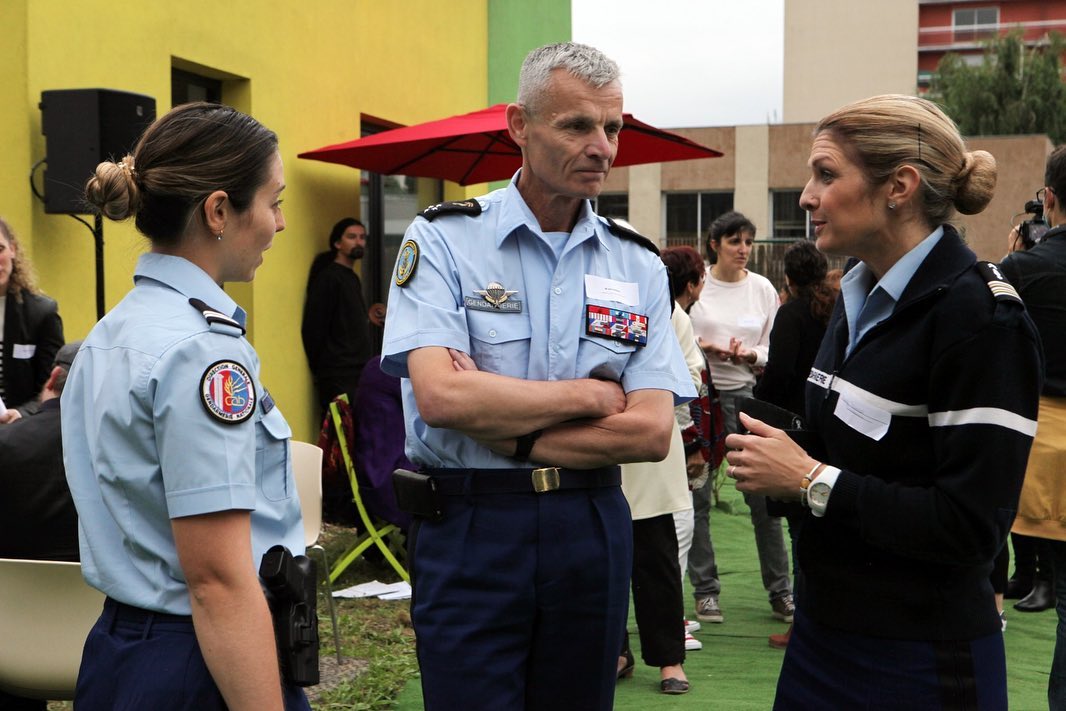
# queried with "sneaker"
point(783, 607)
point(692, 644)
point(691, 626)
point(707, 609)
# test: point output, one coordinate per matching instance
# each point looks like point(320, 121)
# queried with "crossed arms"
point(587, 423)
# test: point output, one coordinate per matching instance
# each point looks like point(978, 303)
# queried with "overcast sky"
point(691, 62)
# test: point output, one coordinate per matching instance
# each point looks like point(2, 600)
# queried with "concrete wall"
point(839, 51)
point(1020, 160)
point(307, 75)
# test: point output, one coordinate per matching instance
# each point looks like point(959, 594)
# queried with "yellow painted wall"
point(306, 70)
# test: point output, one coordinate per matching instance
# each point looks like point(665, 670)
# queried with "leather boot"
point(1042, 597)
point(1018, 587)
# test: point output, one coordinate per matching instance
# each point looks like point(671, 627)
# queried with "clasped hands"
point(736, 353)
point(766, 461)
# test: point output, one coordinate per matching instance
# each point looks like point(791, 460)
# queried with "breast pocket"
point(500, 342)
point(604, 357)
point(273, 463)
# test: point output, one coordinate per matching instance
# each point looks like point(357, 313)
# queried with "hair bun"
point(975, 182)
point(113, 189)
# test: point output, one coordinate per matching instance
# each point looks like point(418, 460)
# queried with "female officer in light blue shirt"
point(176, 456)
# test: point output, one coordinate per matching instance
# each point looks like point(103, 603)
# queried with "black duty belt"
point(456, 482)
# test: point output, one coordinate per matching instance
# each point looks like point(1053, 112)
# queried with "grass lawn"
point(735, 670)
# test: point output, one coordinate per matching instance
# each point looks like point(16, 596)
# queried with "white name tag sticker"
point(749, 322)
point(862, 417)
point(624, 292)
point(23, 351)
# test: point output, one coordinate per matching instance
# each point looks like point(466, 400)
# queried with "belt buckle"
point(545, 479)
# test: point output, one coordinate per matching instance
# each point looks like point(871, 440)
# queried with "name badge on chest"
point(620, 325)
point(493, 297)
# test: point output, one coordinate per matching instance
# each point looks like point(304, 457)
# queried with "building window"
point(689, 215)
point(616, 206)
point(975, 23)
point(788, 219)
point(187, 86)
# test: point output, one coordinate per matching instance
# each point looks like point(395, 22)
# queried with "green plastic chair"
point(380, 536)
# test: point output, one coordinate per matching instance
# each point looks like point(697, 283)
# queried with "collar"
point(515, 214)
point(896, 279)
point(187, 279)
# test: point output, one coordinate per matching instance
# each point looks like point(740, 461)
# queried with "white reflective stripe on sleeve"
point(984, 416)
point(854, 392)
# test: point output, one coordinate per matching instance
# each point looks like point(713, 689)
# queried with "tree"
point(1015, 90)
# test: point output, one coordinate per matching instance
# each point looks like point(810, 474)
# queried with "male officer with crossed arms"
point(535, 343)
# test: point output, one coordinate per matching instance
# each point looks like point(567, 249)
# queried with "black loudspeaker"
point(83, 127)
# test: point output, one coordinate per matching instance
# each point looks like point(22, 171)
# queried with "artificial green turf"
point(737, 669)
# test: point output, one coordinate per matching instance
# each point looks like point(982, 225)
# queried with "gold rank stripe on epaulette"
point(620, 230)
point(459, 207)
point(213, 316)
point(997, 283)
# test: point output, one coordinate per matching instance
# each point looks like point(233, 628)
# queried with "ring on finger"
point(732, 471)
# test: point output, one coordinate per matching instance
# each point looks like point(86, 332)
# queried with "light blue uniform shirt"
point(544, 340)
point(141, 449)
point(865, 307)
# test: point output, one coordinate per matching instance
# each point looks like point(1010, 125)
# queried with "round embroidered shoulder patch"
point(227, 392)
point(406, 262)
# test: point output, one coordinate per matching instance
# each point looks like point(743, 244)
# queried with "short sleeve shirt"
point(540, 327)
point(141, 446)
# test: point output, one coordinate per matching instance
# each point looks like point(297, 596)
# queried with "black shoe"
point(1017, 588)
point(1042, 597)
point(673, 687)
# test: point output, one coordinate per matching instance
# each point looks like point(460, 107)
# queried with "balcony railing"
point(960, 37)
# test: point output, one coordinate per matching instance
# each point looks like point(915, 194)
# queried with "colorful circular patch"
point(406, 262)
point(227, 392)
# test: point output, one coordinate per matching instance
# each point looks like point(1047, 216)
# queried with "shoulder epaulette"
point(626, 233)
point(217, 318)
point(997, 283)
point(460, 207)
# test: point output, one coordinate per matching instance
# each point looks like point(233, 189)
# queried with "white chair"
point(46, 612)
point(307, 469)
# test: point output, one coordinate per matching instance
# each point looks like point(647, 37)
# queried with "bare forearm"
point(490, 406)
point(639, 434)
point(236, 637)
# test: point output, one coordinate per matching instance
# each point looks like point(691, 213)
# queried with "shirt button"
point(492, 333)
point(558, 290)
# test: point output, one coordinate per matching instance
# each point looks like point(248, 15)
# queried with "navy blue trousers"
point(520, 600)
point(826, 668)
point(135, 660)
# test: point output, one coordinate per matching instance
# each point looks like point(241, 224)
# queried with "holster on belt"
point(290, 584)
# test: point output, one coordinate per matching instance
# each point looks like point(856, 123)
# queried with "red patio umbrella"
point(476, 148)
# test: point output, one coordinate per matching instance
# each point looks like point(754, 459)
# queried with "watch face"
point(818, 493)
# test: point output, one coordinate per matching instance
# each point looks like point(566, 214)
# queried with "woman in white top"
point(732, 320)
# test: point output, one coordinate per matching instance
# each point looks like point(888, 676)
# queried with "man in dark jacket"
point(336, 331)
point(37, 516)
point(1039, 275)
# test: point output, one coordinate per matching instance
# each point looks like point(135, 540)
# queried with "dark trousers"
point(657, 596)
point(135, 660)
point(826, 668)
point(520, 600)
point(330, 386)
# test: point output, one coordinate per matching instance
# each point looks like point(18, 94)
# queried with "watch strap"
point(524, 445)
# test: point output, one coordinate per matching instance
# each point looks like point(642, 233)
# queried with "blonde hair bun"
point(976, 182)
